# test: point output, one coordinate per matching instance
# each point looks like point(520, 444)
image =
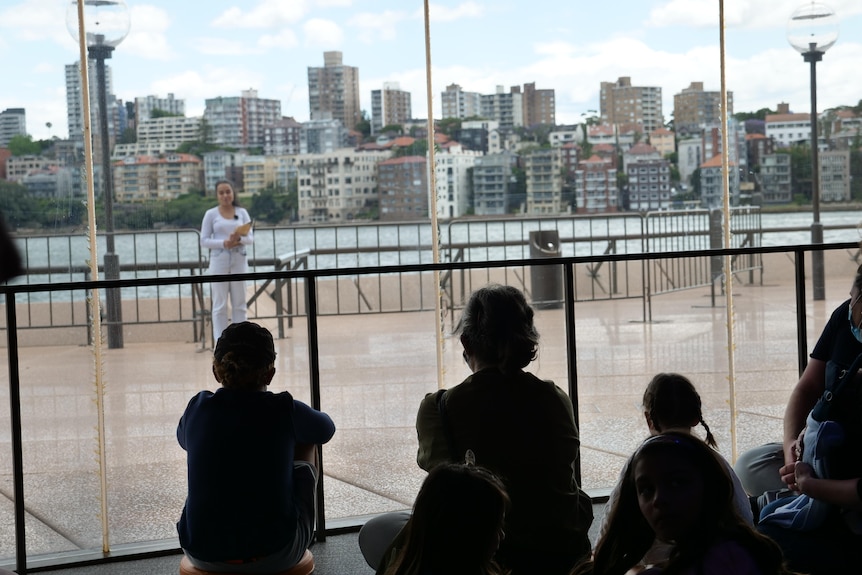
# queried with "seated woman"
point(676, 489)
point(519, 427)
point(251, 463)
point(456, 526)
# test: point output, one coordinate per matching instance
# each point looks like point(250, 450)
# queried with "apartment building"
point(322, 136)
point(648, 184)
point(170, 130)
point(596, 188)
point(694, 108)
point(333, 91)
point(712, 183)
point(145, 105)
point(222, 164)
point(787, 128)
point(52, 182)
point(835, 176)
point(75, 106)
point(146, 178)
point(640, 153)
point(460, 104)
point(775, 179)
point(239, 121)
point(622, 103)
point(663, 140)
point(338, 186)
point(13, 122)
point(544, 171)
point(403, 188)
point(493, 184)
point(452, 171)
point(689, 157)
point(389, 106)
point(282, 137)
point(17, 167)
point(539, 105)
point(507, 108)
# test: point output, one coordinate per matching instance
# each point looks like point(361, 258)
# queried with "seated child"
point(676, 489)
point(671, 402)
point(251, 463)
point(456, 525)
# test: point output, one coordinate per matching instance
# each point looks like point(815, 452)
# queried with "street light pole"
point(100, 51)
point(811, 30)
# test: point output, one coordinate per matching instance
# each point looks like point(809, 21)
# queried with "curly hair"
point(497, 327)
point(244, 353)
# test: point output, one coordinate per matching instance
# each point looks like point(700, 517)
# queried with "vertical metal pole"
point(314, 376)
point(801, 315)
point(817, 272)
point(113, 303)
point(17, 437)
point(571, 355)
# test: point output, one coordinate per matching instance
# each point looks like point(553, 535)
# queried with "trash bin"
point(546, 282)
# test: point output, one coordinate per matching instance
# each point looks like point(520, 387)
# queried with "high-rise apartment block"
point(144, 178)
point(504, 107)
point(452, 168)
point(493, 184)
point(775, 178)
point(75, 105)
point(403, 188)
point(544, 171)
point(539, 105)
point(13, 122)
point(282, 137)
point(239, 121)
point(835, 176)
point(622, 103)
point(389, 106)
point(695, 107)
point(596, 186)
point(460, 104)
point(145, 105)
point(333, 91)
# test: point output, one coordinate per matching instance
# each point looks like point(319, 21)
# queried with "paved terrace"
point(374, 369)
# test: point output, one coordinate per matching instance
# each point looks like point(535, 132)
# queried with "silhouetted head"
point(671, 402)
point(244, 356)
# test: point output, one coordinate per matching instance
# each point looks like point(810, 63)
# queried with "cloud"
point(739, 14)
point(267, 14)
point(148, 36)
point(223, 47)
point(283, 40)
point(37, 20)
point(382, 26)
point(440, 13)
point(320, 33)
point(195, 86)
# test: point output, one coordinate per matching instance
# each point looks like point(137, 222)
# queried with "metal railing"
point(311, 280)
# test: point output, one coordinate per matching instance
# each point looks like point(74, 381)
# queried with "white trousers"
point(224, 261)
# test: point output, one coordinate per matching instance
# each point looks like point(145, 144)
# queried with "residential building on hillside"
point(596, 188)
point(239, 121)
point(17, 167)
point(648, 184)
point(460, 104)
point(144, 106)
point(333, 91)
point(694, 108)
point(544, 173)
point(452, 171)
point(506, 108)
point(757, 146)
point(689, 158)
point(664, 141)
point(786, 128)
point(170, 130)
point(712, 183)
point(338, 186)
point(13, 122)
point(622, 103)
point(566, 134)
point(282, 137)
point(775, 179)
point(494, 185)
point(835, 176)
point(322, 136)
point(389, 106)
point(52, 182)
point(220, 165)
point(261, 172)
point(641, 153)
point(474, 134)
point(402, 185)
point(144, 178)
point(539, 105)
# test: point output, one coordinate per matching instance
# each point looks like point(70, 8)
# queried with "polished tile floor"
point(374, 370)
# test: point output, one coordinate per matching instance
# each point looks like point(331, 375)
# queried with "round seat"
point(304, 567)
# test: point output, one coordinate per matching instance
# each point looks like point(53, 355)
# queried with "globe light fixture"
point(106, 24)
point(811, 30)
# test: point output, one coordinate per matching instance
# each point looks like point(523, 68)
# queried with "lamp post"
point(107, 24)
point(811, 30)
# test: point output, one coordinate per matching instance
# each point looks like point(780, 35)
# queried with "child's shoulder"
point(729, 556)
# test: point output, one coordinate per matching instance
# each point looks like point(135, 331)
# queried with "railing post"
point(314, 376)
point(17, 438)
point(801, 314)
point(571, 357)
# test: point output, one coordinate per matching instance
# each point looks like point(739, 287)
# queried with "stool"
point(304, 567)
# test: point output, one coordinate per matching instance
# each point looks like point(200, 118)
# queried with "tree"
point(758, 115)
point(159, 113)
point(24, 146)
point(448, 126)
point(129, 136)
point(363, 126)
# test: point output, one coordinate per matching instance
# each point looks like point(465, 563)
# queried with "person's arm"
point(808, 390)
point(840, 492)
point(247, 239)
point(311, 426)
point(433, 447)
point(208, 239)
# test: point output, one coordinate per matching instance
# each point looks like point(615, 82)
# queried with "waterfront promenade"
point(374, 370)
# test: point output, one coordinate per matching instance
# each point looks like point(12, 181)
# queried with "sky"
point(200, 49)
